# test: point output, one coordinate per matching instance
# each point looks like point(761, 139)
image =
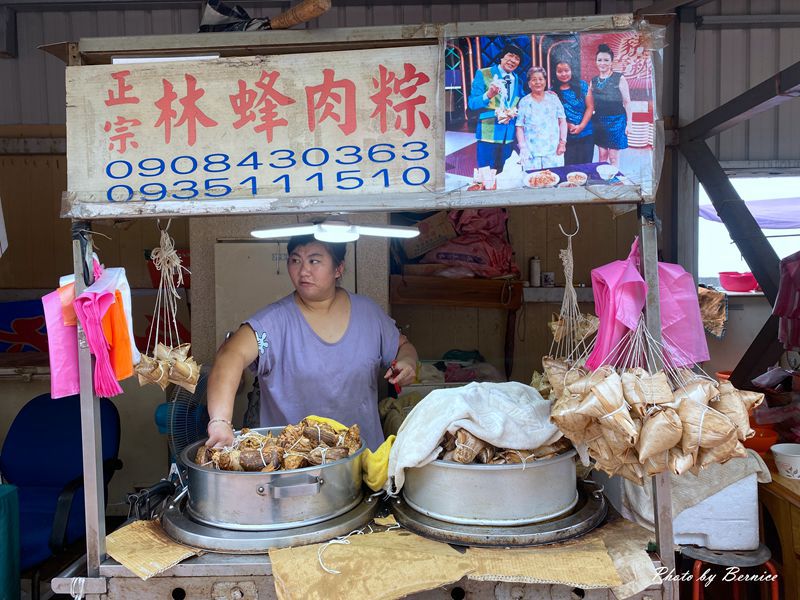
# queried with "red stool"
point(730, 558)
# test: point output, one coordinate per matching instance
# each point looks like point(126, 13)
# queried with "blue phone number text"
point(218, 187)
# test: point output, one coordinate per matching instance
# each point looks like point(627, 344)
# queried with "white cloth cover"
point(506, 415)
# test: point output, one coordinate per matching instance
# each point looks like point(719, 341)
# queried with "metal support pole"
point(684, 188)
point(662, 488)
point(90, 413)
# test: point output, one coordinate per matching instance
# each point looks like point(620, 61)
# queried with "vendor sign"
point(551, 111)
point(309, 125)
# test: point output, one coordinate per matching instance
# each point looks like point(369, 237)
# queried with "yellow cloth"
point(375, 465)
point(337, 427)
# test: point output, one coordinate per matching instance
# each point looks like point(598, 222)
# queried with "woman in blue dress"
point(612, 108)
point(578, 103)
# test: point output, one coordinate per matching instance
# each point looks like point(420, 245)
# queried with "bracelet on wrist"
point(226, 421)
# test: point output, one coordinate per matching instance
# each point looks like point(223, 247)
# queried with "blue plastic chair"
point(42, 456)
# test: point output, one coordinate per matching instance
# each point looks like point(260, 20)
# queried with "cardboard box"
point(433, 232)
point(424, 269)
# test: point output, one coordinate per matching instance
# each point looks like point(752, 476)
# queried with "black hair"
point(336, 250)
point(574, 82)
point(604, 48)
point(511, 49)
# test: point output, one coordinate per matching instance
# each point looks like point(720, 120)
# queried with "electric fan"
point(184, 418)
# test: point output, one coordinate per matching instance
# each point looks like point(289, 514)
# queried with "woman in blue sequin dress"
point(612, 108)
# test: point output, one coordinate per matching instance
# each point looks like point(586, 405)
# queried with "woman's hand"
point(562, 147)
point(575, 129)
point(220, 433)
point(628, 129)
point(402, 373)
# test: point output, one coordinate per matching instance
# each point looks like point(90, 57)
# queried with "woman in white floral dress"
point(541, 125)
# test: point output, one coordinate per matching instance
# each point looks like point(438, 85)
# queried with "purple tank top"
point(300, 374)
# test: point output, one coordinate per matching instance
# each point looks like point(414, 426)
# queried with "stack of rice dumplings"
point(635, 423)
point(465, 448)
point(169, 365)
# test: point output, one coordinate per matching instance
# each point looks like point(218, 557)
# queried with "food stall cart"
point(399, 165)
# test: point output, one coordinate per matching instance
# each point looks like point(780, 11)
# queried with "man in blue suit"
point(496, 91)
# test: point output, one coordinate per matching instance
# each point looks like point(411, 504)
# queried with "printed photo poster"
point(550, 111)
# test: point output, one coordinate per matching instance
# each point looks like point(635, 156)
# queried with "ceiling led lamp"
point(336, 231)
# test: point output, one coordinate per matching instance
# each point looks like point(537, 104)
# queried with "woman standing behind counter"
point(316, 351)
point(612, 108)
point(578, 104)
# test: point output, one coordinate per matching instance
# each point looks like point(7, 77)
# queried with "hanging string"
point(168, 263)
point(574, 332)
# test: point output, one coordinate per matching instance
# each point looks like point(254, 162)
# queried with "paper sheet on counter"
point(144, 549)
point(605, 558)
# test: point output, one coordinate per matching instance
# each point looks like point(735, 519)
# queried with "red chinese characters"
point(395, 97)
point(398, 97)
point(324, 102)
point(246, 101)
point(122, 137)
point(191, 114)
point(123, 87)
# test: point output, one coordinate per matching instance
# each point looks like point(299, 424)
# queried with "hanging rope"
point(168, 263)
point(572, 330)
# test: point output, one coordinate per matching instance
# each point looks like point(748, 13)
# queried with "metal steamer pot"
point(255, 501)
point(493, 495)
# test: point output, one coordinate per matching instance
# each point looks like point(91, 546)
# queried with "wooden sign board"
point(255, 131)
point(406, 127)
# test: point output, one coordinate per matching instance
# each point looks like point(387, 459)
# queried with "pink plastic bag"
point(486, 256)
point(488, 221)
point(62, 343)
point(620, 293)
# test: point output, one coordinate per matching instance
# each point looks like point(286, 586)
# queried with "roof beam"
point(771, 92)
point(764, 351)
point(662, 7)
point(764, 263)
point(744, 231)
point(747, 21)
point(668, 7)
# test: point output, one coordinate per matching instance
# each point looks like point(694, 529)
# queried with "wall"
point(40, 247)
point(746, 316)
point(729, 61)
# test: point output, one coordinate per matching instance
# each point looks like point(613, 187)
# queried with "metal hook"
point(577, 225)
